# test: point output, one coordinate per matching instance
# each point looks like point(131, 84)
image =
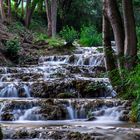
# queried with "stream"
point(62, 95)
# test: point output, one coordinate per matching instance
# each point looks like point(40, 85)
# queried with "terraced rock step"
point(63, 109)
point(60, 90)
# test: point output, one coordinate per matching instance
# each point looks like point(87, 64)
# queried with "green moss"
point(56, 42)
point(1, 134)
point(65, 95)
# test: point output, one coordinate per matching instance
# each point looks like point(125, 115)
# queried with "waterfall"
point(70, 111)
point(30, 114)
point(9, 91)
point(27, 92)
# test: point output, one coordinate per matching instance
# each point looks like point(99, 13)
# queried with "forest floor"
point(31, 47)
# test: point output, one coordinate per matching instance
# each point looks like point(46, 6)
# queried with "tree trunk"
point(3, 17)
point(111, 68)
point(30, 7)
point(48, 12)
point(54, 16)
point(22, 7)
point(117, 26)
point(130, 34)
point(9, 11)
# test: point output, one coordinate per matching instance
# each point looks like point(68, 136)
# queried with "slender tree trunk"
point(54, 16)
point(30, 7)
point(130, 34)
point(9, 11)
point(117, 26)
point(48, 12)
point(3, 17)
point(111, 68)
point(16, 5)
point(22, 7)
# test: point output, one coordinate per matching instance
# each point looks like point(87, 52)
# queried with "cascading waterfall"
point(62, 71)
point(9, 91)
point(70, 111)
point(30, 114)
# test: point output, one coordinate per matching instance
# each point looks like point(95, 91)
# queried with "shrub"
point(90, 37)
point(56, 42)
point(69, 34)
point(13, 47)
point(40, 37)
point(132, 91)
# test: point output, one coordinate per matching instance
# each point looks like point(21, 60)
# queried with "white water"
point(70, 111)
point(29, 114)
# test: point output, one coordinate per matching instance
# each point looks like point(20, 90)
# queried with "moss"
point(1, 134)
point(66, 95)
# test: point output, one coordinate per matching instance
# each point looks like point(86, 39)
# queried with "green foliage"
point(69, 34)
point(16, 27)
point(138, 37)
point(78, 12)
point(131, 84)
point(90, 88)
point(40, 36)
point(13, 47)
point(90, 37)
point(55, 42)
point(38, 24)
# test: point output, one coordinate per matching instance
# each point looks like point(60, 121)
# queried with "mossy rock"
point(1, 134)
point(66, 95)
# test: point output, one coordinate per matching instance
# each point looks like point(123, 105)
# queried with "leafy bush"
point(90, 37)
point(69, 34)
point(138, 37)
point(55, 42)
point(40, 36)
point(13, 47)
point(131, 84)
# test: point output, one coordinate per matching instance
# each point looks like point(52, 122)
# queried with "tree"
point(111, 68)
point(130, 34)
point(30, 7)
point(115, 20)
point(54, 16)
point(9, 10)
point(2, 12)
point(48, 12)
point(51, 11)
point(125, 36)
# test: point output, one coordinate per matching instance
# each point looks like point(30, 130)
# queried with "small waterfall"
point(30, 114)
point(70, 111)
point(27, 92)
point(107, 113)
point(9, 91)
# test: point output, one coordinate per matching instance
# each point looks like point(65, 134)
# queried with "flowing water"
point(24, 92)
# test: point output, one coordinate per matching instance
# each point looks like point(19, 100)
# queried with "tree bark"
point(9, 11)
point(2, 12)
point(117, 26)
point(48, 12)
point(130, 34)
point(54, 16)
point(111, 68)
point(22, 7)
point(30, 7)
